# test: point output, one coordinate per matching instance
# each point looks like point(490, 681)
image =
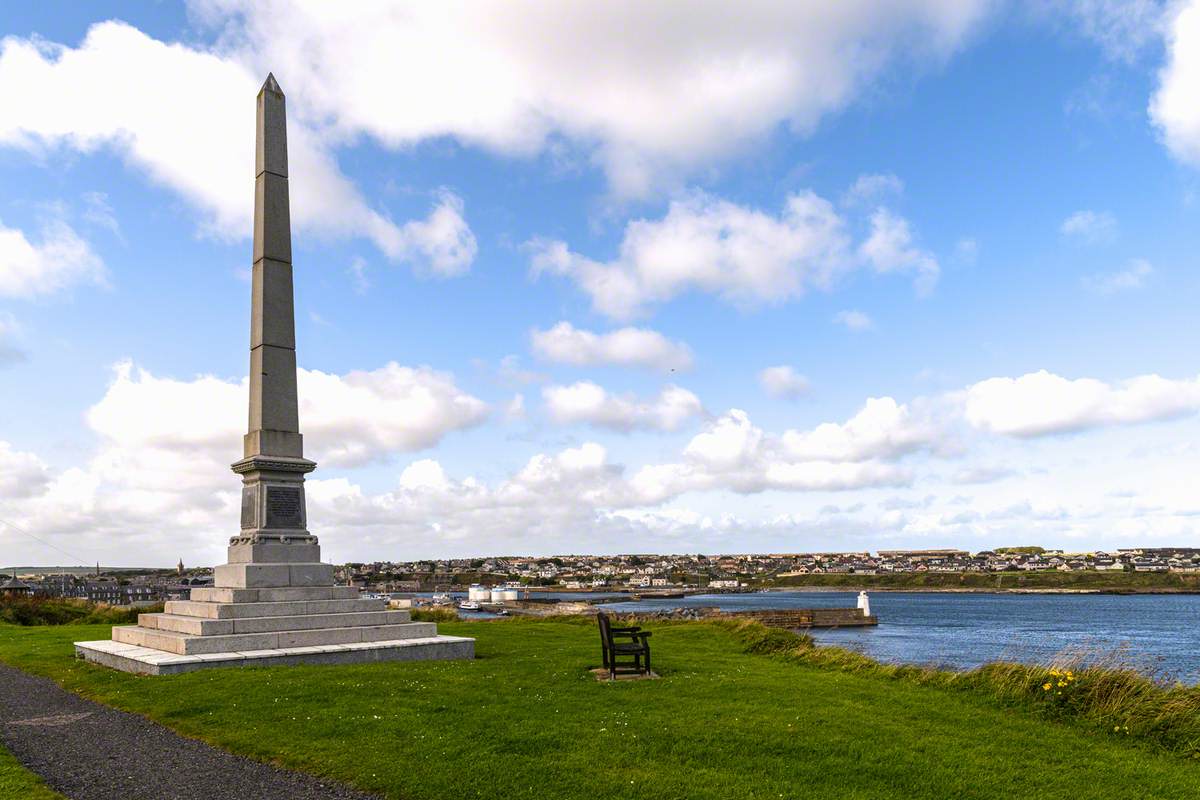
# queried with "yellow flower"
point(1046, 686)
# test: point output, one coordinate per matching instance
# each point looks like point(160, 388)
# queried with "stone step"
point(188, 644)
point(270, 575)
point(211, 594)
point(192, 608)
point(145, 661)
point(202, 626)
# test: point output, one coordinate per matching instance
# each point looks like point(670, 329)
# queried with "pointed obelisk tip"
point(270, 85)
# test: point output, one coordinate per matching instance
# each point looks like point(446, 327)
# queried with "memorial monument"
point(274, 602)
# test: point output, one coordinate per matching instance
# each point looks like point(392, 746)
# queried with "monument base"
point(226, 626)
point(148, 661)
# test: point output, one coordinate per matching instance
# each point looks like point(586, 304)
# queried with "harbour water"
point(959, 630)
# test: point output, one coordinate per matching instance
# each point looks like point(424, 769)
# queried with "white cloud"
point(890, 248)
point(783, 381)
point(59, 260)
point(358, 275)
point(882, 429)
point(871, 188)
point(1132, 277)
point(734, 454)
point(147, 468)
point(1090, 226)
point(185, 117)
point(347, 419)
point(586, 402)
point(854, 320)
point(516, 407)
point(630, 347)
point(1122, 28)
point(705, 244)
point(1173, 108)
point(366, 416)
point(443, 241)
point(646, 107)
point(99, 212)
point(982, 473)
point(21, 474)
point(1041, 403)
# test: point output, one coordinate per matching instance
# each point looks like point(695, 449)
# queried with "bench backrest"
point(605, 633)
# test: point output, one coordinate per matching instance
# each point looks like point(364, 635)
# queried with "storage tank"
point(509, 593)
point(497, 595)
point(479, 593)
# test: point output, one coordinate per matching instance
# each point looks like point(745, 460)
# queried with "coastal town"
point(626, 572)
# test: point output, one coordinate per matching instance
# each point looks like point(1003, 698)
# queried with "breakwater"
point(794, 618)
point(804, 617)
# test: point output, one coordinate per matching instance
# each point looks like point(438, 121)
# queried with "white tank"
point(509, 593)
point(497, 595)
point(479, 593)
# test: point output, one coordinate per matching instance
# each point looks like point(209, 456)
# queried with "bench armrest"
point(633, 629)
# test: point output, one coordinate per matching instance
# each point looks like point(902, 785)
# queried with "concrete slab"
point(430, 648)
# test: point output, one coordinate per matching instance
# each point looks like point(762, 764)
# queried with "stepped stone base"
point(239, 625)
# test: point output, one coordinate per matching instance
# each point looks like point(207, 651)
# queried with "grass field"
point(525, 719)
point(18, 782)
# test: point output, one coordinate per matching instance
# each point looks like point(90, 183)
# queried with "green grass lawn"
point(16, 781)
point(525, 719)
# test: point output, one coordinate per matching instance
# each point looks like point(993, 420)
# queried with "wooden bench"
point(633, 646)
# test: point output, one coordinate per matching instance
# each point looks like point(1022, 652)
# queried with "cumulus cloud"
point(1041, 403)
point(147, 467)
point(1173, 108)
point(890, 248)
point(1132, 277)
point(734, 454)
point(1122, 28)
point(743, 255)
point(646, 108)
point(347, 419)
point(629, 347)
point(881, 429)
point(586, 402)
point(783, 382)
point(442, 243)
point(56, 261)
point(871, 188)
point(1090, 226)
point(854, 320)
point(21, 474)
point(185, 117)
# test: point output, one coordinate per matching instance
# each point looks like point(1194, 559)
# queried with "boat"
point(441, 599)
point(469, 605)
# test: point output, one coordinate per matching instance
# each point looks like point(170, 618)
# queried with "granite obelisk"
point(274, 602)
point(274, 547)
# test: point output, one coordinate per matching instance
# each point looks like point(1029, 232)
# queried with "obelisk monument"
point(274, 602)
point(274, 548)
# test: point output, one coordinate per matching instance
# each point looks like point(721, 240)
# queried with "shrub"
point(36, 610)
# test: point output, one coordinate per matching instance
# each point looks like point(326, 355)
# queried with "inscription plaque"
point(284, 507)
point(249, 507)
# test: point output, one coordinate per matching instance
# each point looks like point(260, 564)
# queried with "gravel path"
point(88, 751)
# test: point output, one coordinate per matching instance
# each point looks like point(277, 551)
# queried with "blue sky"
point(604, 278)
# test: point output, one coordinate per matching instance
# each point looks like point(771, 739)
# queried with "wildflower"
point(1046, 686)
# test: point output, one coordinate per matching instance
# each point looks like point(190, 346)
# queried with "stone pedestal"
point(236, 627)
